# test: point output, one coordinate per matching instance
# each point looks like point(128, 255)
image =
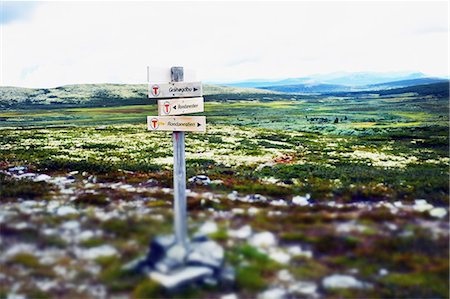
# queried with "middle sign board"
point(175, 90)
point(180, 106)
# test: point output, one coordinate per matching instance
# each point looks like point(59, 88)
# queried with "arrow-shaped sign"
point(180, 106)
point(175, 90)
point(177, 123)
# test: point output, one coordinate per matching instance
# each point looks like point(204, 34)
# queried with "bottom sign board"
point(177, 123)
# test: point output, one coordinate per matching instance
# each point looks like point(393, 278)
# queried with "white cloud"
point(82, 42)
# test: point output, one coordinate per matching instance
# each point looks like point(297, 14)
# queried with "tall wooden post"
point(179, 176)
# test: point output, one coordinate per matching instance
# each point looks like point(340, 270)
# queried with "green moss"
point(351, 293)
point(253, 254)
point(415, 285)
point(100, 146)
point(32, 263)
point(421, 242)
point(220, 235)
point(250, 278)
point(303, 268)
point(105, 261)
point(89, 165)
point(118, 227)
point(248, 147)
point(147, 289)
point(293, 237)
point(259, 267)
point(215, 139)
point(267, 144)
point(344, 262)
point(27, 235)
point(116, 278)
point(53, 241)
point(25, 259)
point(36, 293)
point(158, 203)
point(141, 230)
point(256, 187)
point(3, 292)
point(93, 242)
point(382, 214)
point(335, 245)
point(13, 188)
point(192, 292)
point(199, 166)
point(97, 199)
point(95, 166)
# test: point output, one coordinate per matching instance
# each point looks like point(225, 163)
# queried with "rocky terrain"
point(76, 242)
point(298, 214)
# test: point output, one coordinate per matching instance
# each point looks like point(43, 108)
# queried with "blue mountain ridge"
point(341, 82)
point(356, 79)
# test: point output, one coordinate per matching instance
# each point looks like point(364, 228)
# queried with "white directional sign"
point(175, 90)
point(177, 123)
point(180, 106)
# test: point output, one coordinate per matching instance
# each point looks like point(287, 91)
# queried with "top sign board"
point(175, 90)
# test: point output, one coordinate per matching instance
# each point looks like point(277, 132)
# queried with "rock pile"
point(173, 266)
point(200, 180)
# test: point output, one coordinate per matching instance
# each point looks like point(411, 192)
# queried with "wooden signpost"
point(189, 100)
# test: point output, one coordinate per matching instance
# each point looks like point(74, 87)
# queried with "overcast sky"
point(48, 44)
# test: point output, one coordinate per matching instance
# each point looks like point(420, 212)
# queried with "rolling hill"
point(405, 83)
point(109, 95)
point(94, 95)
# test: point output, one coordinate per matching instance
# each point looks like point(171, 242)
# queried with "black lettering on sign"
point(180, 89)
point(187, 106)
point(178, 124)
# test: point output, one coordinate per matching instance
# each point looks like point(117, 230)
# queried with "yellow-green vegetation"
point(32, 264)
point(25, 259)
point(119, 280)
point(392, 165)
point(147, 289)
point(252, 267)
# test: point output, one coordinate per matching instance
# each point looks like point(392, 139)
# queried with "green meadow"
point(366, 163)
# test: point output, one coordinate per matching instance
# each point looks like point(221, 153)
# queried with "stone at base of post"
point(173, 268)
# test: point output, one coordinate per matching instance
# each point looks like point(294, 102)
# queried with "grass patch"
point(12, 188)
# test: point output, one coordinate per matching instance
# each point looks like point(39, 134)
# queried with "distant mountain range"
point(366, 78)
point(308, 88)
point(341, 81)
point(321, 87)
